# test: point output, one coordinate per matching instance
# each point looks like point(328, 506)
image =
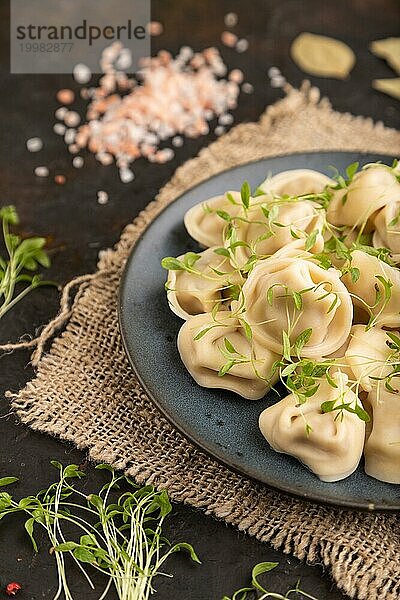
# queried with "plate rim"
point(314, 497)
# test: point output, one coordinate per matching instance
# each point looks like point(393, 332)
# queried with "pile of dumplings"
point(299, 283)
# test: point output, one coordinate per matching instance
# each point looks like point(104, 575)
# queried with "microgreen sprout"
point(256, 587)
point(22, 255)
point(120, 534)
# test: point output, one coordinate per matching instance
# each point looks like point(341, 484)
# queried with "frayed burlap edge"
point(85, 391)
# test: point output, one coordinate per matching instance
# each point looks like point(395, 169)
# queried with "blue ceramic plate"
point(223, 424)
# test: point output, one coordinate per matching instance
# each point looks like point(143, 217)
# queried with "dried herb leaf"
point(391, 86)
point(389, 49)
point(322, 56)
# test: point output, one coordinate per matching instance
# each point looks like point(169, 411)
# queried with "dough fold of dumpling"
point(191, 293)
point(369, 289)
point(291, 222)
point(387, 230)
point(296, 182)
point(382, 447)
point(250, 375)
point(333, 447)
point(370, 190)
point(367, 355)
point(294, 295)
point(203, 222)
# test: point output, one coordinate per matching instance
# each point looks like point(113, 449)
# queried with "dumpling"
point(292, 224)
point(295, 183)
point(367, 355)
point(387, 229)
point(371, 189)
point(385, 311)
point(333, 446)
point(203, 223)
point(382, 447)
point(191, 293)
point(293, 295)
point(247, 365)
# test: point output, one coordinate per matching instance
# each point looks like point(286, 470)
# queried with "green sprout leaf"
point(245, 193)
point(8, 481)
point(172, 264)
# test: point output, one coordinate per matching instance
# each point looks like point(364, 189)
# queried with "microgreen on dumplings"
point(292, 275)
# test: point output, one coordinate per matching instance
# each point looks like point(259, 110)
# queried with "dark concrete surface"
point(77, 227)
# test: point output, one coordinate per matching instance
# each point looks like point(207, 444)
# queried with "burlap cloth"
point(86, 392)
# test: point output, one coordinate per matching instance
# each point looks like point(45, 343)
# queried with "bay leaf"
point(391, 86)
point(389, 49)
point(322, 56)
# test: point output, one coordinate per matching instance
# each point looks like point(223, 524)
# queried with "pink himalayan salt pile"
point(176, 96)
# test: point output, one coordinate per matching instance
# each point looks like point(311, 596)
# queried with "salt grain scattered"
point(65, 96)
point(59, 129)
point(177, 141)
point(177, 97)
point(229, 39)
point(155, 28)
point(104, 158)
point(78, 162)
point(278, 81)
point(242, 45)
point(124, 60)
point(273, 72)
point(236, 75)
point(59, 179)
point(34, 144)
point(231, 19)
point(219, 130)
point(72, 118)
point(247, 88)
point(102, 197)
point(82, 73)
point(41, 172)
point(225, 119)
point(61, 112)
point(69, 137)
point(126, 175)
point(73, 148)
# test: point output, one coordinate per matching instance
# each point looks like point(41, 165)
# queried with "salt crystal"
point(229, 39)
point(278, 81)
point(77, 162)
point(219, 130)
point(225, 119)
point(65, 96)
point(34, 144)
point(59, 129)
point(177, 141)
point(102, 197)
point(73, 148)
point(61, 112)
point(166, 154)
point(41, 172)
point(247, 88)
point(82, 73)
point(124, 60)
point(242, 45)
point(231, 19)
point(69, 137)
point(155, 28)
point(104, 158)
point(236, 75)
point(126, 175)
point(273, 72)
point(72, 118)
